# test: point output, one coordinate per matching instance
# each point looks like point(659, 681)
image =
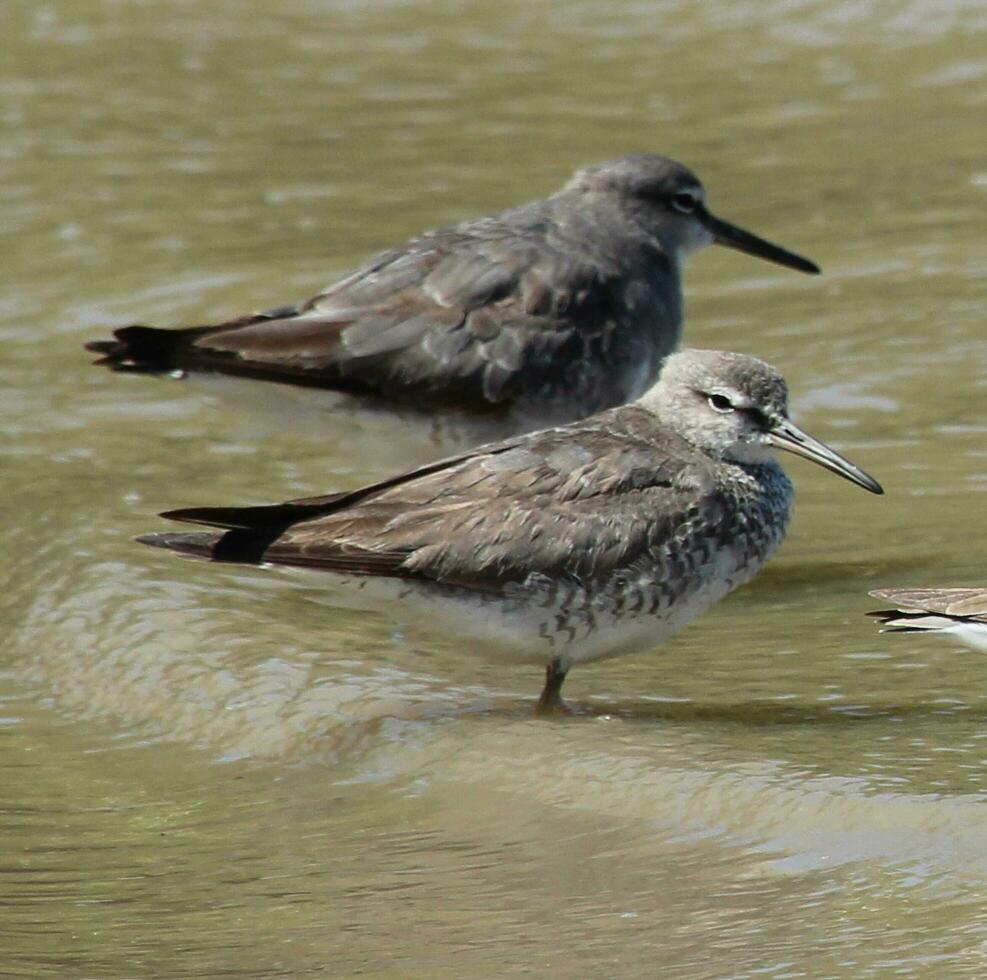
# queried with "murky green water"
point(214, 772)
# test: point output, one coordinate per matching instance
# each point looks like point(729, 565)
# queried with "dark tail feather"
point(257, 518)
point(896, 621)
point(246, 518)
point(152, 349)
point(239, 545)
point(250, 531)
point(138, 348)
point(883, 614)
point(200, 545)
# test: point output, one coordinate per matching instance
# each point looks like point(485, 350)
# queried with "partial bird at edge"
point(957, 612)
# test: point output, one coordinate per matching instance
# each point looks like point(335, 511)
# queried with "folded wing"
point(475, 314)
point(490, 519)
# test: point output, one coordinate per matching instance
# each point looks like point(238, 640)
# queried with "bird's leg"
point(550, 702)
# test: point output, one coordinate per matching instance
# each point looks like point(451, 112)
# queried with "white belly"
point(522, 629)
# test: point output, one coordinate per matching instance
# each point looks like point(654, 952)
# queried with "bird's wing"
point(466, 311)
point(571, 504)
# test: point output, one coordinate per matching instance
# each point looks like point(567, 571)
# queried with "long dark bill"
point(730, 235)
point(787, 435)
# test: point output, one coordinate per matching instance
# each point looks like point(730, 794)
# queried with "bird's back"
point(552, 310)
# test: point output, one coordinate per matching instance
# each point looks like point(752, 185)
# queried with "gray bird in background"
point(961, 613)
point(570, 544)
point(554, 309)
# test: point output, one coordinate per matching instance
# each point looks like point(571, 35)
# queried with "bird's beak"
point(787, 435)
point(730, 235)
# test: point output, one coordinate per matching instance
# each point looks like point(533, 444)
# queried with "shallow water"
point(212, 771)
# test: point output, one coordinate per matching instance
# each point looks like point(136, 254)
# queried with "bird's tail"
point(243, 546)
point(139, 348)
point(237, 534)
point(157, 349)
point(200, 544)
point(903, 621)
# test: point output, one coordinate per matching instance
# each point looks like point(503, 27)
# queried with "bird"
point(574, 543)
point(961, 613)
point(548, 311)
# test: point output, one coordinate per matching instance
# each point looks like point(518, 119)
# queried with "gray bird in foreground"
point(570, 544)
point(957, 612)
point(556, 309)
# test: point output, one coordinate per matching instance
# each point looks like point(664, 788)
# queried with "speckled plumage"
point(554, 309)
point(574, 543)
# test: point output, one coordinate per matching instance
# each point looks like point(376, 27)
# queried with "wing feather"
point(490, 519)
point(477, 314)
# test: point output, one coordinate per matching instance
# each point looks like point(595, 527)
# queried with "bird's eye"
point(719, 403)
point(685, 201)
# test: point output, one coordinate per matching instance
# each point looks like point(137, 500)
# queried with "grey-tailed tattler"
point(556, 309)
point(569, 544)
point(961, 613)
